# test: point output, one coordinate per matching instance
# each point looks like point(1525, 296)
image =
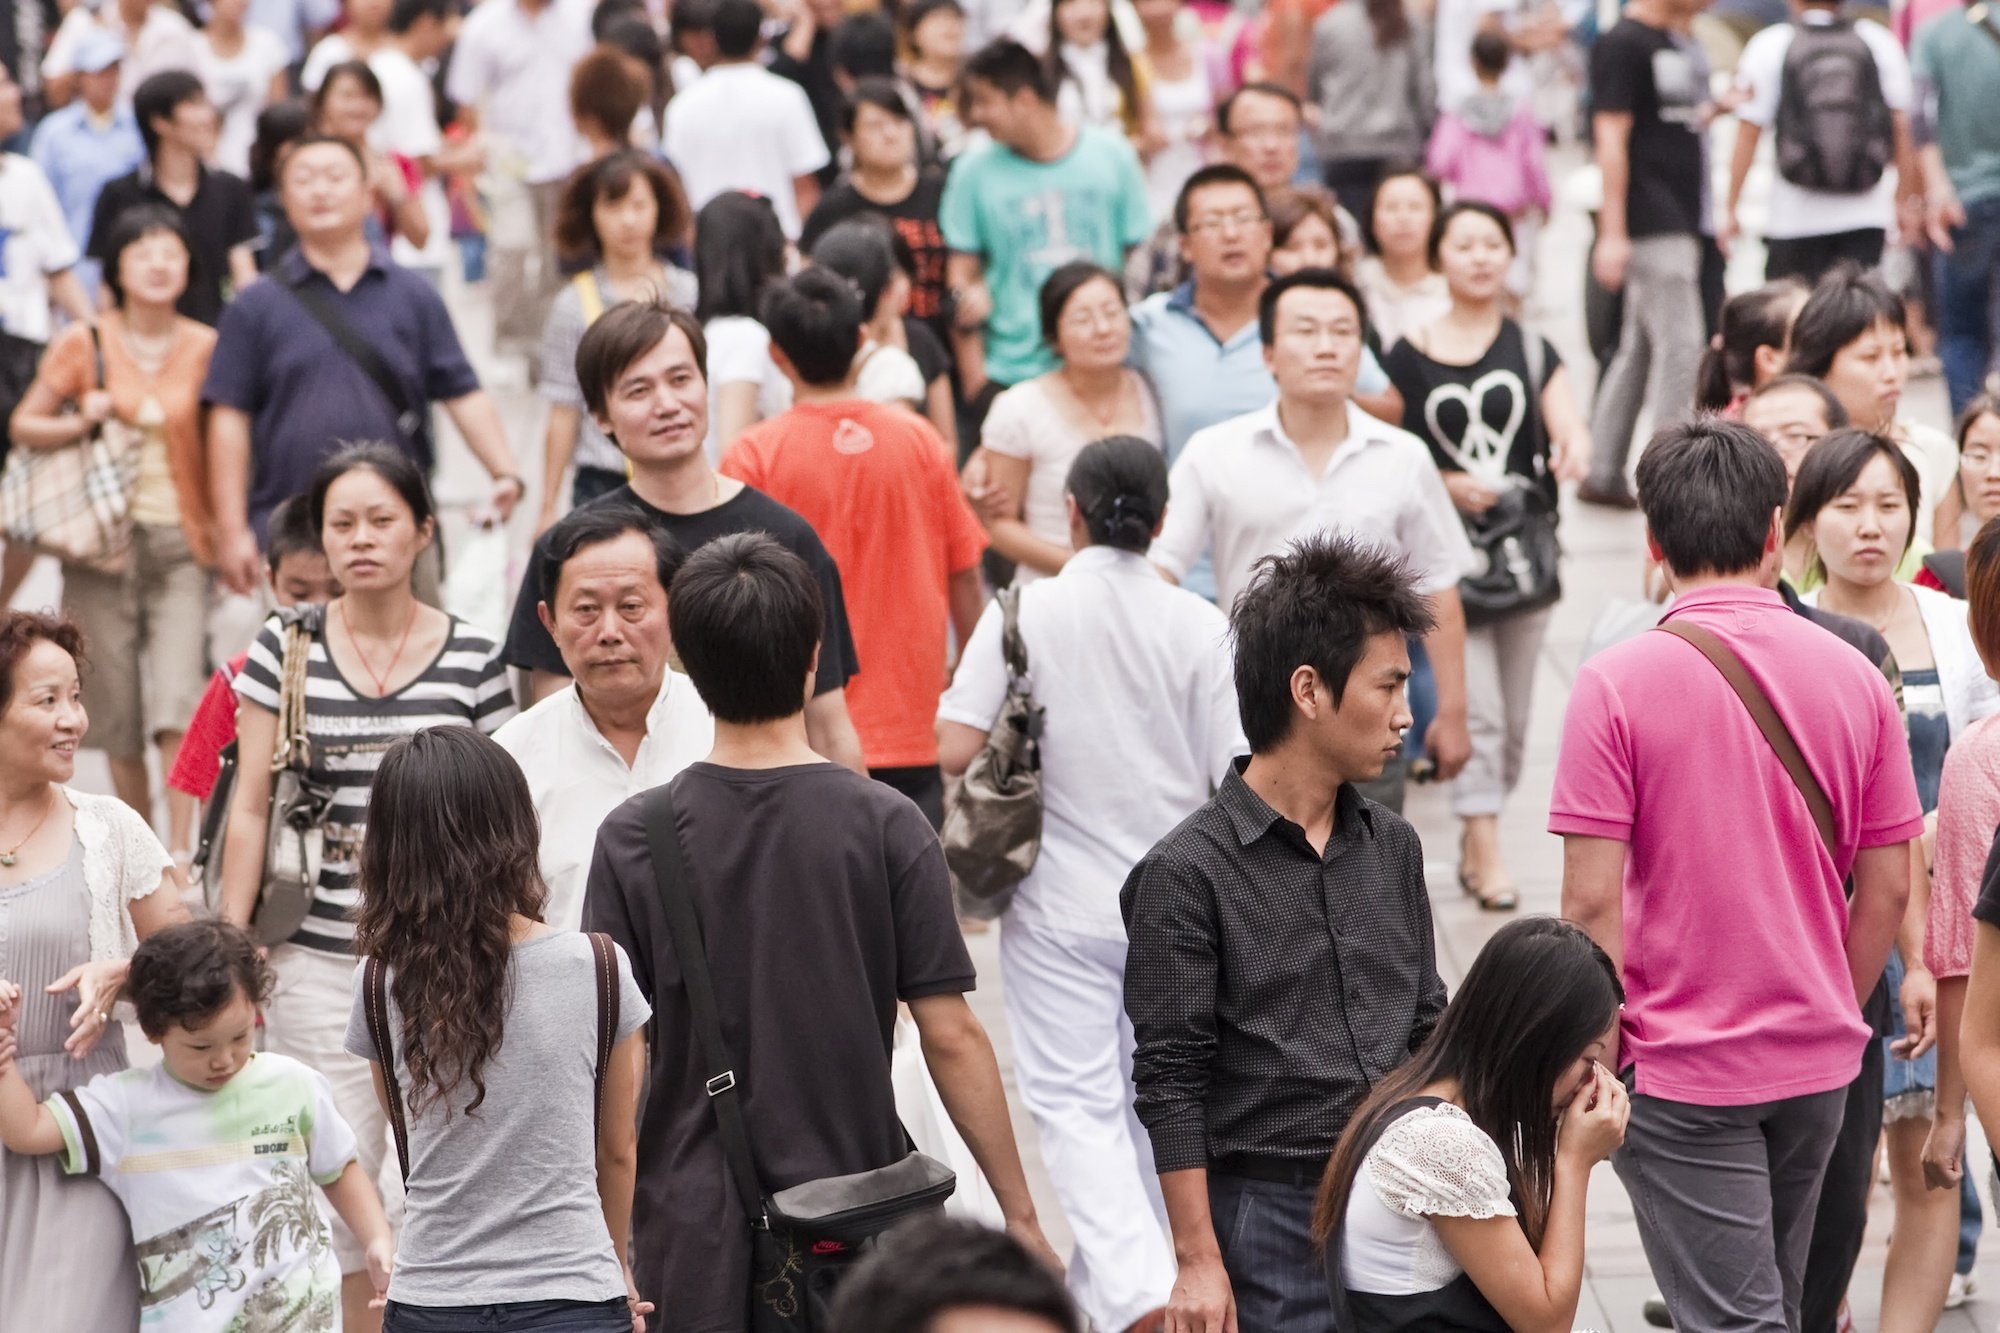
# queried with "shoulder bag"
point(805, 1238)
point(74, 501)
point(993, 833)
point(1516, 539)
point(375, 1011)
point(412, 419)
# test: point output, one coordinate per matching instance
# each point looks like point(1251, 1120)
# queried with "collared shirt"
point(1243, 487)
point(1269, 985)
point(514, 68)
point(81, 154)
point(576, 778)
point(305, 396)
point(221, 215)
point(34, 245)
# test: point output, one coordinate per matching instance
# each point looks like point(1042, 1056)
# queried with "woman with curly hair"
point(512, 1200)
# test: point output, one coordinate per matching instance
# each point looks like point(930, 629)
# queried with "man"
point(741, 127)
point(626, 723)
point(1313, 462)
point(952, 1277)
point(804, 55)
point(876, 483)
point(1040, 194)
point(90, 142)
point(336, 343)
point(178, 124)
point(1744, 963)
point(1813, 222)
point(823, 901)
point(1282, 957)
point(153, 33)
point(1648, 87)
point(1957, 59)
point(509, 76)
point(639, 368)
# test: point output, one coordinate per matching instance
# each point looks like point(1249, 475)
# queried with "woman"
point(1496, 414)
point(1978, 487)
point(1396, 277)
point(1750, 346)
point(620, 214)
point(933, 55)
point(494, 1054)
point(1037, 428)
point(243, 71)
point(1086, 61)
point(147, 618)
point(1305, 232)
point(1180, 99)
point(1370, 75)
point(381, 666)
point(349, 100)
point(607, 91)
point(901, 360)
point(1134, 676)
point(1455, 1198)
point(278, 126)
point(739, 250)
point(1851, 334)
point(82, 881)
point(1854, 497)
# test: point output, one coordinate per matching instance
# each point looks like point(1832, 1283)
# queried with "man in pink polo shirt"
point(1690, 856)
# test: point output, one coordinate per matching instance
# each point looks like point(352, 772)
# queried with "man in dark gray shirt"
point(1309, 900)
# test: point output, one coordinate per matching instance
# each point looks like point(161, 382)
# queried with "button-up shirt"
point(576, 778)
point(1243, 487)
point(1270, 986)
point(80, 154)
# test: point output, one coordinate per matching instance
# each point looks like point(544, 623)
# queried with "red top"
point(213, 726)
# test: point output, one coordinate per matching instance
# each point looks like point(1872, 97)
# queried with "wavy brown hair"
point(451, 854)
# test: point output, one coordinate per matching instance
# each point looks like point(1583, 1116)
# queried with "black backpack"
point(1834, 131)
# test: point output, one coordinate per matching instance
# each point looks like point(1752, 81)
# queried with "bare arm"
point(558, 447)
point(830, 731)
point(1448, 741)
point(1881, 893)
point(229, 497)
point(242, 267)
point(66, 290)
point(1979, 1034)
point(1005, 477)
point(805, 189)
point(1569, 433)
point(968, 602)
point(354, 1198)
point(1612, 131)
point(1202, 1300)
point(1919, 991)
point(957, 744)
point(26, 1126)
point(1745, 152)
point(735, 410)
point(249, 813)
point(618, 1155)
point(478, 420)
point(941, 410)
point(1593, 896)
point(39, 421)
point(1944, 1152)
point(966, 276)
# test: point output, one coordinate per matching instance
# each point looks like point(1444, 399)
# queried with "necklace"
point(150, 353)
point(13, 854)
point(381, 679)
point(1106, 417)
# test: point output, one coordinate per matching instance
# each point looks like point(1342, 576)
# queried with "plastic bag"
point(929, 1125)
point(479, 587)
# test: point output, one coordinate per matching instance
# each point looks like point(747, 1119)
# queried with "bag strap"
point(1981, 17)
point(97, 353)
point(676, 886)
point(589, 295)
point(292, 749)
point(1012, 646)
point(606, 961)
point(375, 1006)
point(1724, 660)
point(363, 354)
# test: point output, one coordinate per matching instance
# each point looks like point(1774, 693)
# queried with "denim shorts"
point(1909, 1087)
point(613, 1316)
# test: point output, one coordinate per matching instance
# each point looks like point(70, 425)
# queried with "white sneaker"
point(1963, 1285)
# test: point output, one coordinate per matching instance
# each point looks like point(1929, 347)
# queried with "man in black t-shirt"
point(1648, 85)
point(640, 367)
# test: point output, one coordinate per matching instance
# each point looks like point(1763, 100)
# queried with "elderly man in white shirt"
point(626, 722)
point(1313, 462)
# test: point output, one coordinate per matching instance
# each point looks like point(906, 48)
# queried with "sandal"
point(1501, 900)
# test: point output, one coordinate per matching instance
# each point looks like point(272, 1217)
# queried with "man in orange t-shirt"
point(877, 484)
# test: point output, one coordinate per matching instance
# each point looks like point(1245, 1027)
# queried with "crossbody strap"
point(358, 350)
point(1012, 646)
point(676, 887)
point(1766, 717)
point(375, 1005)
point(606, 963)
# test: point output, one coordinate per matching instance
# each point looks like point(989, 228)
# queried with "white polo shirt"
point(34, 245)
point(1141, 723)
point(1242, 488)
point(741, 127)
point(513, 68)
point(576, 778)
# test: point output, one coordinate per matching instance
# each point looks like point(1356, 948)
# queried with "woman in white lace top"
point(1455, 1198)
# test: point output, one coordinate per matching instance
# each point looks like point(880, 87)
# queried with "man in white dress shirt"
point(626, 722)
point(1312, 462)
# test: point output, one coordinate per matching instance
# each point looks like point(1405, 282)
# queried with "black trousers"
point(923, 784)
point(1809, 257)
point(1843, 1195)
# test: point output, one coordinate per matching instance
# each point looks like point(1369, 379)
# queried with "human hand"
point(1919, 1001)
point(1569, 460)
point(381, 1256)
point(1202, 1301)
point(95, 407)
point(639, 1308)
point(1593, 1125)
point(1944, 1152)
point(1944, 213)
point(1027, 1232)
point(988, 498)
point(1449, 744)
point(974, 308)
point(10, 1005)
point(96, 986)
point(1609, 259)
point(507, 492)
point(237, 563)
point(1469, 493)
point(1727, 231)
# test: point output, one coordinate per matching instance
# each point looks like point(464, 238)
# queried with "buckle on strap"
point(721, 1083)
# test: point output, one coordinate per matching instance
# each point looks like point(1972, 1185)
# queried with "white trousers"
point(1065, 997)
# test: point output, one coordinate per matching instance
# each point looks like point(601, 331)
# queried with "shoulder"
point(1768, 43)
point(1434, 1162)
point(760, 512)
point(1395, 833)
point(522, 734)
point(462, 637)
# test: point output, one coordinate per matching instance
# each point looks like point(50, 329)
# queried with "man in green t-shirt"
point(1039, 195)
point(1956, 58)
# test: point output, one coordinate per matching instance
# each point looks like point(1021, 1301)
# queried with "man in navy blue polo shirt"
point(336, 344)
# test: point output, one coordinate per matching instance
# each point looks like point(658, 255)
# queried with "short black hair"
point(1394, 172)
point(623, 334)
point(1490, 53)
point(1844, 305)
point(609, 13)
point(313, 139)
point(1259, 89)
point(746, 615)
point(184, 975)
point(863, 251)
point(739, 251)
point(1215, 173)
point(290, 531)
point(736, 26)
point(1708, 488)
point(1834, 463)
point(386, 461)
point(407, 14)
point(130, 227)
point(1009, 67)
point(690, 16)
point(1320, 279)
point(1120, 487)
point(1316, 604)
point(1452, 212)
point(932, 1266)
point(880, 93)
point(158, 98)
point(864, 46)
point(815, 319)
point(1064, 283)
point(1836, 415)
point(358, 70)
point(595, 524)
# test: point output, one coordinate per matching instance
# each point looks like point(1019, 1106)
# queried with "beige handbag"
point(295, 833)
point(74, 501)
point(994, 830)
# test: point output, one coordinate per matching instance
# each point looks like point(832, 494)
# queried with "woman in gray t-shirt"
point(510, 1202)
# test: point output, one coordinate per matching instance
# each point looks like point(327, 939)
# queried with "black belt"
point(1294, 1171)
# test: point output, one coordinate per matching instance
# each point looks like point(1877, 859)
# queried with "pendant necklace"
point(13, 854)
point(381, 680)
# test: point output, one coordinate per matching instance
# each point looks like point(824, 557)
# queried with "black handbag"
point(805, 1238)
point(1522, 557)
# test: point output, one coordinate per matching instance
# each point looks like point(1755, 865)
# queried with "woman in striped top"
point(382, 666)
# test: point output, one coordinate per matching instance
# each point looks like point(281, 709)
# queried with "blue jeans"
point(1965, 301)
point(514, 1317)
point(1265, 1233)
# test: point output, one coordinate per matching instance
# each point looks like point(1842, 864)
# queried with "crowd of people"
point(1143, 401)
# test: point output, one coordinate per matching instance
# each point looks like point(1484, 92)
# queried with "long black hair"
point(1750, 321)
point(1117, 63)
point(1538, 995)
point(1120, 487)
point(739, 250)
point(1834, 463)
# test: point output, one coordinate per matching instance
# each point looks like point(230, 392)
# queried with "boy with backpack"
point(1837, 95)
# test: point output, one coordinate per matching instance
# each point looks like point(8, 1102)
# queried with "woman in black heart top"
point(1497, 413)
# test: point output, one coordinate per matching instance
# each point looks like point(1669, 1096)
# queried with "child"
point(213, 1152)
point(1491, 150)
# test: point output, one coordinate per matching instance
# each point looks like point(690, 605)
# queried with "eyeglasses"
point(1978, 458)
point(1242, 219)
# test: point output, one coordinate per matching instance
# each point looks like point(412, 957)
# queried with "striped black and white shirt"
point(465, 685)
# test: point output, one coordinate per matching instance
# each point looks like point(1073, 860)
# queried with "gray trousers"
point(1500, 663)
point(1724, 1197)
point(1659, 348)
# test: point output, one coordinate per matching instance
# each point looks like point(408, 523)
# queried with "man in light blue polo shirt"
point(89, 143)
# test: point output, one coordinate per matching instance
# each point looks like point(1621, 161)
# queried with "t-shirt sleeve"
point(493, 698)
point(1617, 68)
point(1890, 810)
point(633, 1009)
point(258, 682)
point(360, 1042)
point(53, 244)
point(1432, 1163)
point(529, 645)
point(1135, 217)
point(1184, 531)
point(1892, 65)
point(1761, 73)
point(447, 373)
point(739, 351)
point(804, 146)
point(605, 905)
point(330, 1142)
point(239, 213)
point(1968, 812)
point(467, 76)
point(235, 367)
point(931, 957)
point(93, 1123)
point(744, 460)
point(1595, 792)
point(1008, 429)
point(958, 209)
point(1987, 909)
point(979, 686)
point(837, 661)
point(1403, 367)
